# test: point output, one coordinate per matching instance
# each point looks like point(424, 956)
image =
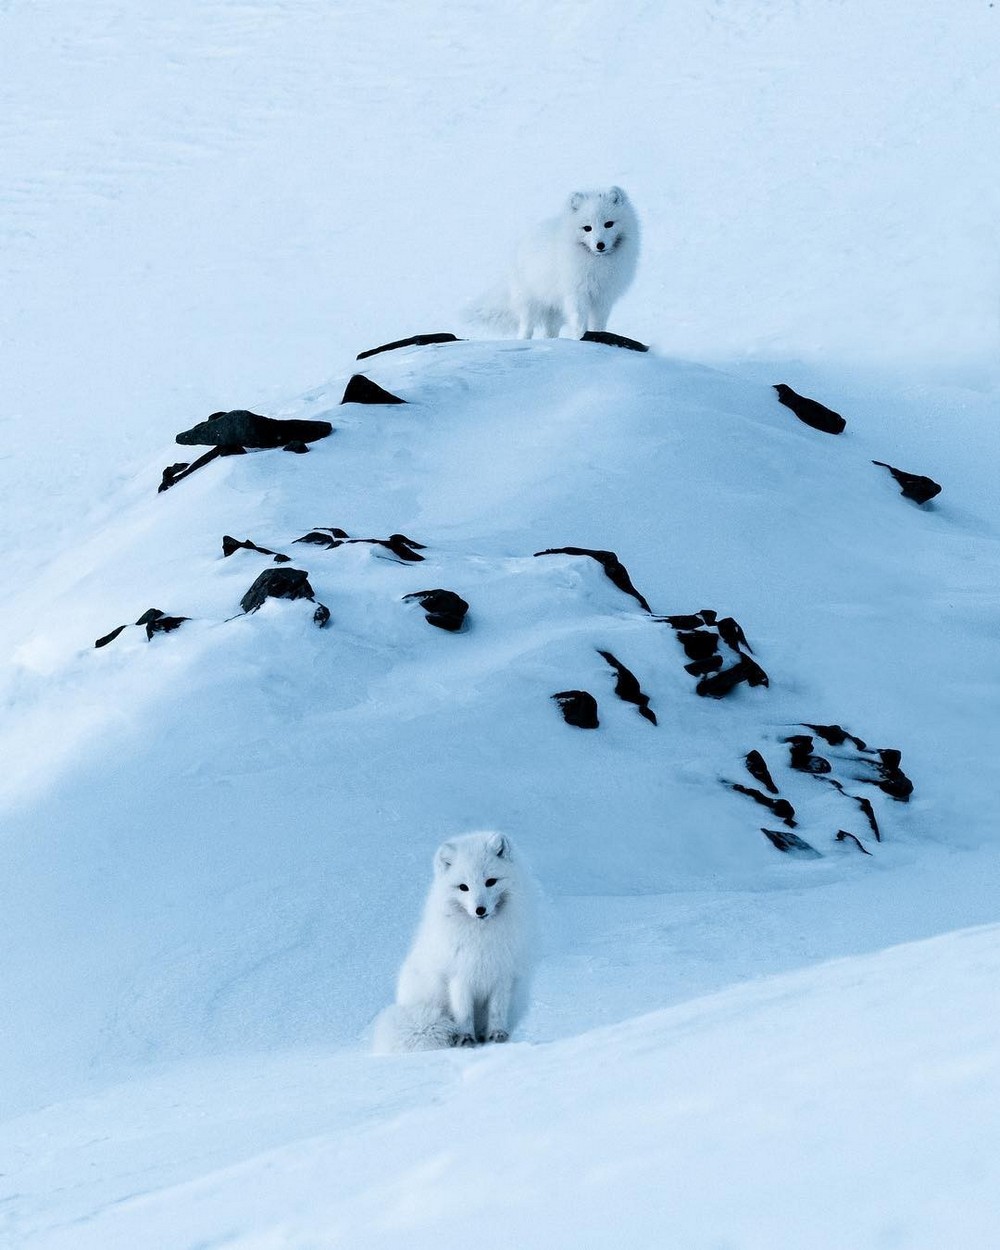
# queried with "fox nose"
point(480, 911)
point(600, 247)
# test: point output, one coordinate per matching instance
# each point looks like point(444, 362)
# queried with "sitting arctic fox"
point(466, 977)
point(569, 271)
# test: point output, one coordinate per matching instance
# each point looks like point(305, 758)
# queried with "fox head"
point(475, 872)
point(601, 219)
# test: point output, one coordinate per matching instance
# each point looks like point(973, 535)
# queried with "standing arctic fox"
point(570, 270)
point(466, 977)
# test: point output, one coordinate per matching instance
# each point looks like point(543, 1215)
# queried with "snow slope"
point(216, 842)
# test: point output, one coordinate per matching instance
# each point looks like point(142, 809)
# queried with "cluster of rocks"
point(708, 640)
point(152, 620)
point(856, 762)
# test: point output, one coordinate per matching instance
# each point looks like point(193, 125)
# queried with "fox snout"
point(600, 245)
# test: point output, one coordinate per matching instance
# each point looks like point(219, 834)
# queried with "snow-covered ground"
point(216, 841)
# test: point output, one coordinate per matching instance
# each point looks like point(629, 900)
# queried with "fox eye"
point(588, 229)
point(608, 225)
point(463, 886)
point(491, 881)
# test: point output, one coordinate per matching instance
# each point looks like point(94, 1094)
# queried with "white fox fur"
point(569, 271)
point(467, 975)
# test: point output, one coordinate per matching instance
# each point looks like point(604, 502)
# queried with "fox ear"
point(617, 195)
point(575, 200)
point(500, 846)
point(444, 857)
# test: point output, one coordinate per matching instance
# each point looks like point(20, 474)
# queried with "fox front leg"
point(498, 1014)
point(463, 1006)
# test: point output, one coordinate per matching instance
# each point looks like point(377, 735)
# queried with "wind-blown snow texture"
point(216, 839)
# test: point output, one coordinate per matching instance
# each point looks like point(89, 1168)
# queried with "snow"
point(216, 842)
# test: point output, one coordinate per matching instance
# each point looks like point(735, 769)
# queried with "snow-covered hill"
point(215, 839)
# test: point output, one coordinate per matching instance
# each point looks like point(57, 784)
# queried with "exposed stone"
point(103, 641)
point(402, 547)
point(248, 429)
point(913, 485)
point(843, 835)
point(613, 340)
point(780, 807)
point(613, 567)
point(281, 583)
point(444, 608)
point(231, 545)
point(174, 473)
point(718, 685)
point(698, 644)
point(578, 707)
point(810, 411)
point(758, 770)
point(417, 340)
point(801, 756)
point(836, 736)
point(791, 843)
point(362, 390)
point(627, 686)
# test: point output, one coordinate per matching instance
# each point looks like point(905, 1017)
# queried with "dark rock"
point(843, 835)
point(690, 621)
point(613, 340)
point(732, 634)
point(282, 583)
point(402, 547)
point(810, 411)
point(444, 608)
point(894, 781)
point(613, 567)
point(578, 707)
point(326, 537)
point(296, 446)
point(869, 811)
point(802, 758)
point(248, 429)
point(103, 642)
point(417, 340)
point(913, 485)
point(698, 644)
point(791, 843)
point(836, 736)
point(627, 686)
point(151, 614)
point(758, 770)
point(718, 685)
point(163, 625)
point(322, 615)
point(231, 545)
point(362, 390)
point(780, 807)
point(176, 472)
point(698, 668)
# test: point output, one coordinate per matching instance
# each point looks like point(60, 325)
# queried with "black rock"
point(402, 547)
point(613, 567)
point(780, 807)
point(699, 668)
point(163, 625)
point(843, 835)
point(103, 642)
point(627, 686)
point(240, 428)
point(758, 770)
point(325, 537)
point(578, 707)
point(801, 756)
point(283, 583)
point(836, 736)
point(732, 634)
point(296, 446)
point(894, 781)
point(698, 644)
point(810, 411)
point(417, 340)
point(362, 390)
point(791, 843)
point(913, 485)
point(718, 685)
point(613, 340)
point(174, 473)
point(869, 811)
point(444, 608)
point(322, 615)
point(231, 545)
point(690, 621)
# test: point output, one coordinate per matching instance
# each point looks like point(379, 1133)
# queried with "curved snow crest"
point(887, 1119)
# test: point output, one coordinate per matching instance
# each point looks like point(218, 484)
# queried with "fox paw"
point(498, 1035)
point(464, 1039)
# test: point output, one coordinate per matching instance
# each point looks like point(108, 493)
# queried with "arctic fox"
point(466, 977)
point(569, 271)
